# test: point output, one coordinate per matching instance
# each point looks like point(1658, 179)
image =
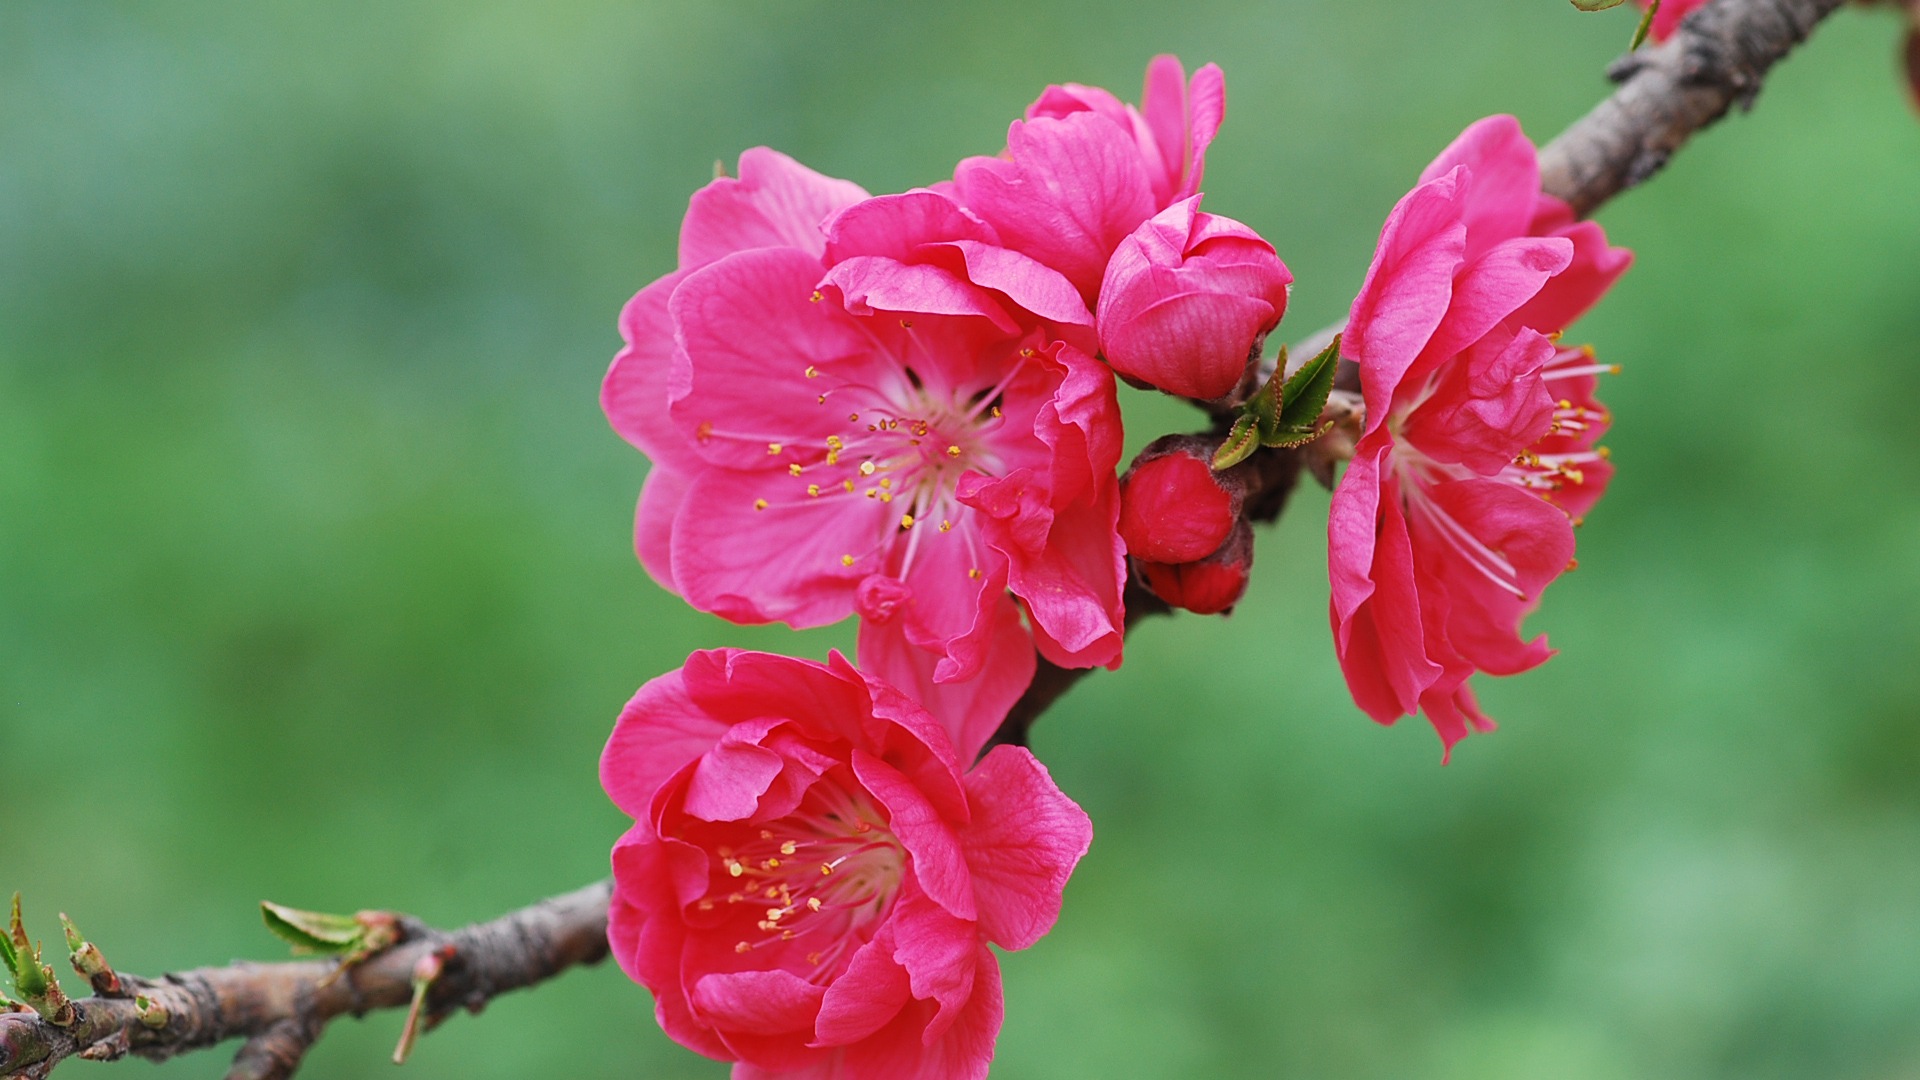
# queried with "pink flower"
point(883, 414)
point(1668, 18)
point(1187, 298)
point(1084, 169)
point(811, 880)
point(1480, 431)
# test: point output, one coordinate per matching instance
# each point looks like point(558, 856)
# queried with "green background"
point(315, 577)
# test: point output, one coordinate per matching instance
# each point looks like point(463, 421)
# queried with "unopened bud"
point(1188, 299)
point(1206, 586)
point(1173, 507)
point(151, 1013)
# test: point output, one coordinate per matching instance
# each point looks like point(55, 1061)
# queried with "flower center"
point(824, 875)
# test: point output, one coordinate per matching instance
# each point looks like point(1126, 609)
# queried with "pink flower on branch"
point(1480, 431)
point(811, 881)
point(1668, 18)
point(874, 408)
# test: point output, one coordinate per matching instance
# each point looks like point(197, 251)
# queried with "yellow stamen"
point(813, 490)
point(794, 469)
point(953, 451)
point(906, 521)
point(759, 504)
point(773, 448)
point(846, 560)
point(867, 468)
point(812, 372)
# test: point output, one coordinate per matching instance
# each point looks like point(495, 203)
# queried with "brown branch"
point(1718, 58)
point(280, 1009)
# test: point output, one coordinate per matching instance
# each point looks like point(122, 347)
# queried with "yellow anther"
point(766, 834)
point(834, 443)
point(848, 484)
point(846, 560)
point(1604, 452)
point(853, 418)
point(1573, 564)
point(771, 892)
point(815, 298)
point(770, 864)
point(996, 412)
point(1026, 353)
point(867, 468)
point(974, 572)
point(953, 451)
point(833, 457)
point(734, 868)
point(886, 482)
point(813, 903)
point(813, 958)
point(793, 469)
point(873, 493)
point(774, 915)
point(788, 847)
point(886, 496)
point(706, 905)
point(906, 521)
point(786, 935)
point(821, 400)
point(743, 947)
point(773, 448)
point(813, 490)
point(705, 431)
point(759, 504)
point(946, 526)
point(826, 868)
point(1579, 521)
point(812, 372)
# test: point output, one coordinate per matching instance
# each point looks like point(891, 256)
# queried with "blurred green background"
point(315, 578)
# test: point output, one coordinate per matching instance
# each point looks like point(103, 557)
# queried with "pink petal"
point(1535, 537)
point(729, 779)
point(1489, 289)
point(659, 732)
point(1075, 188)
point(1353, 522)
point(1595, 267)
point(866, 997)
point(1163, 103)
point(1505, 180)
point(660, 498)
point(900, 1052)
point(775, 202)
point(1073, 586)
point(1384, 647)
point(1025, 839)
point(634, 393)
point(939, 952)
point(870, 282)
point(1488, 405)
point(1407, 290)
point(969, 709)
point(749, 332)
point(928, 838)
point(783, 562)
point(762, 1002)
point(1207, 108)
point(895, 226)
point(1168, 331)
point(1029, 283)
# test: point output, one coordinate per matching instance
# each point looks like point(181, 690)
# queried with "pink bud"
point(1187, 299)
point(1172, 507)
point(1208, 586)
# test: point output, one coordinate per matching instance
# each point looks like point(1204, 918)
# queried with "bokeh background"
point(315, 580)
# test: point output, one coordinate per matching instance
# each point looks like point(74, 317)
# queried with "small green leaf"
point(1296, 436)
point(1305, 393)
point(1264, 406)
point(1242, 440)
point(1597, 5)
point(1646, 25)
point(313, 931)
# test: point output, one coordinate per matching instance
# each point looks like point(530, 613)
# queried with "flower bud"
point(1173, 509)
point(1207, 586)
point(1187, 299)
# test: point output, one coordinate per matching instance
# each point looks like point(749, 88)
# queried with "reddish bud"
point(1187, 299)
point(1173, 508)
point(1208, 586)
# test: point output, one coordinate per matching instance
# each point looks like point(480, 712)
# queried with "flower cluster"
point(903, 408)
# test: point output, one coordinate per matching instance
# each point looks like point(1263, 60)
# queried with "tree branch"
point(1719, 57)
point(280, 1009)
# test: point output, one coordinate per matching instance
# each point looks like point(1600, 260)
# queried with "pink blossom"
point(1668, 18)
point(811, 881)
point(1085, 169)
point(885, 413)
point(1187, 298)
point(1480, 431)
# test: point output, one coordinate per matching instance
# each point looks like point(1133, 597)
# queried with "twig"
point(1719, 57)
point(280, 1009)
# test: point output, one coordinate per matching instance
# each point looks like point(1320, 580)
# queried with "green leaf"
point(1242, 440)
point(7, 955)
point(1646, 25)
point(1296, 436)
point(1597, 5)
point(1264, 406)
point(313, 931)
point(1305, 393)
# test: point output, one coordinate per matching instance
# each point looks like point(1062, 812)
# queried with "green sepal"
point(313, 932)
point(74, 940)
point(1287, 440)
point(1646, 26)
point(1597, 5)
point(1243, 438)
point(1305, 393)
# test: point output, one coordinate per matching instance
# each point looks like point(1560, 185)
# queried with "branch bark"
point(1718, 58)
point(281, 1009)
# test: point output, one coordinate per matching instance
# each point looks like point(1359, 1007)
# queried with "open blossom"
point(1480, 431)
point(1187, 298)
point(811, 881)
point(1084, 169)
point(1667, 19)
point(870, 406)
